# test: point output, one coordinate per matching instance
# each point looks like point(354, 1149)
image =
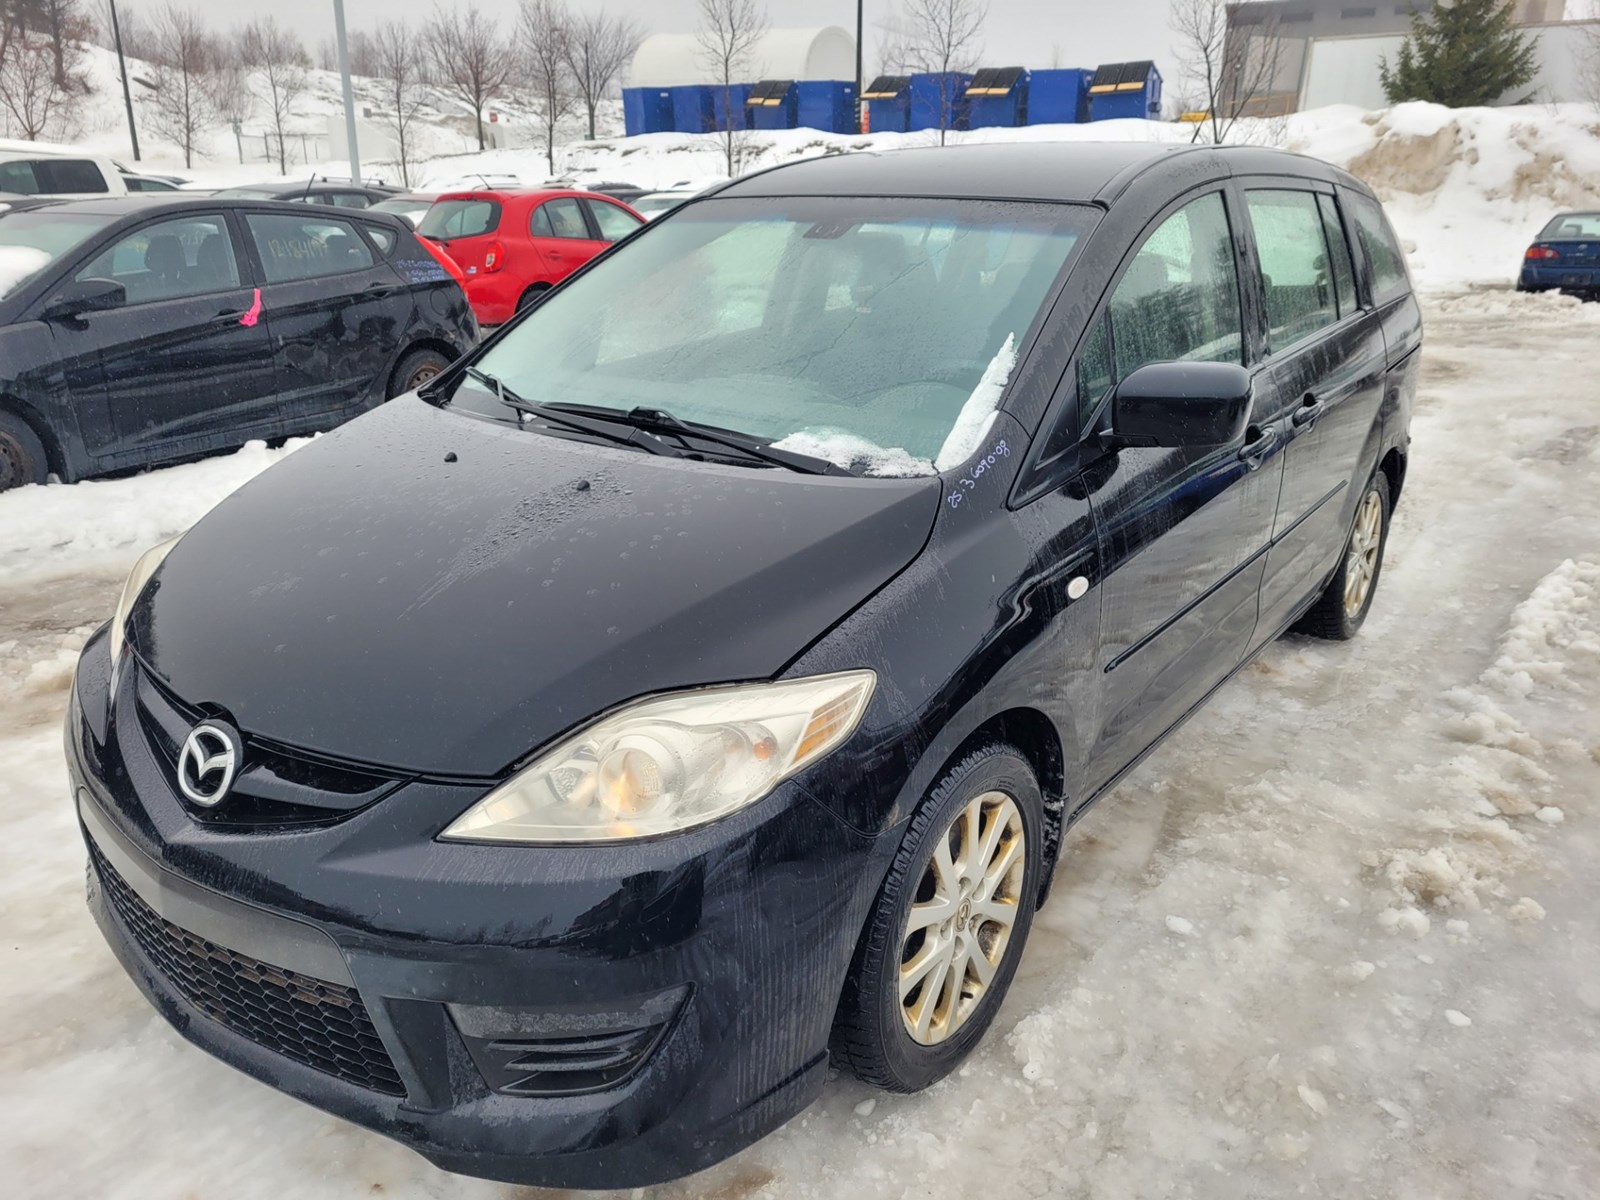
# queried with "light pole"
point(349, 92)
point(127, 98)
point(860, 83)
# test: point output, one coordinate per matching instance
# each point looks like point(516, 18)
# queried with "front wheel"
point(948, 927)
point(22, 458)
point(1343, 606)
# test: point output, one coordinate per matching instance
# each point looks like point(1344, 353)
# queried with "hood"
point(443, 594)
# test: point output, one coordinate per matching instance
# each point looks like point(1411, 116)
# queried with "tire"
point(415, 369)
point(1337, 614)
point(873, 1034)
point(533, 293)
point(22, 457)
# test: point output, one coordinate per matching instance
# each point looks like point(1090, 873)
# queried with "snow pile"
point(43, 527)
point(977, 414)
point(855, 453)
point(1548, 628)
point(16, 264)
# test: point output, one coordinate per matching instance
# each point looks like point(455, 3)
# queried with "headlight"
point(137, 578)
point(672, 762)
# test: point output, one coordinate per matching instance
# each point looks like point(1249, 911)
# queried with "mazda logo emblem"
point(208, 762)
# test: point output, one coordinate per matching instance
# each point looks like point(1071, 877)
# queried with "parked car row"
point(564, 767)
point(139, 330)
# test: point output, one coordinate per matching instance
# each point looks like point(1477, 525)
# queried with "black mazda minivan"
point(559, 767)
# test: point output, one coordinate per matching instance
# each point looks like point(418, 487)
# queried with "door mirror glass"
point(84, 296)
point(1182, 404)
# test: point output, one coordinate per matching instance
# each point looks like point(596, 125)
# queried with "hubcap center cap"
point(963, 913)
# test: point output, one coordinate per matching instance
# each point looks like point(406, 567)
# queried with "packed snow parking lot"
point(1335, 938)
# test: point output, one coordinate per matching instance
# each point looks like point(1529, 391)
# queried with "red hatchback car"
point(512, 245)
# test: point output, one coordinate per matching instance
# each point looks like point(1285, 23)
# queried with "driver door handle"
point(1258, 444)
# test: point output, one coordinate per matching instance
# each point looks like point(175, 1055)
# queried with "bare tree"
point(943, 39)
point(397, 63)
point(598, 48)
point(230, 90)
point(1229, 65)
point(545, 30)
point(30, 91)
point(277, 56)
point(182, 105)
point(364, 53)
point(470, 58)
point(728, 34)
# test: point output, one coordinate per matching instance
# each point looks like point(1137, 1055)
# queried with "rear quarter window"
point(1386, 264)
point(70, 175)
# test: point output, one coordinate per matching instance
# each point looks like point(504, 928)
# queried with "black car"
point(339, 195)
point(140, 330)
point(559, 769)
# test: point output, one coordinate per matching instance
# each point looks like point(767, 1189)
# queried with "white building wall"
point(676, 59)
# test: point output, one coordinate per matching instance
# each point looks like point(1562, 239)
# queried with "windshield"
point(459, 218)
point(869, 332)
point(31, 241)
point(1573, 226)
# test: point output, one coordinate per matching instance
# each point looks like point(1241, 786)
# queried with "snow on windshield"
point(977, 414)
point(855, 453)
point(17, 263)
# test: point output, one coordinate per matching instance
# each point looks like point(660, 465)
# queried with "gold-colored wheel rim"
point(960, 923)
point(1361, 567)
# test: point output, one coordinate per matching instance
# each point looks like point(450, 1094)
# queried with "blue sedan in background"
point(1565, 255)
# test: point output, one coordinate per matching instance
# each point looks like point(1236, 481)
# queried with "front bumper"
point(450, 996)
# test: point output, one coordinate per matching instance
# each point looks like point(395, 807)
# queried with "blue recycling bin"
point(774, 104)
point(646, 110)
point(1059, 96)
point(729, 106)
point(1125, 90)
point(826, 104)
point(888, 100)
point(930, 93)
point(997, 98)
point(691, 108)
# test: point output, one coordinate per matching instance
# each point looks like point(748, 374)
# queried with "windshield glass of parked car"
point(31, 241)
point(840, 327)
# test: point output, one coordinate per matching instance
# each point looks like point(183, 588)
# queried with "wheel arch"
point(1393, 466)
point(54, 454)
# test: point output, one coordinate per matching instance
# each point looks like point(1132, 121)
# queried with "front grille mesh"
point(323, 1025)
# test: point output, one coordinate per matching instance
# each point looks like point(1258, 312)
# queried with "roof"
point(886, 87)
point(995, 81)
point(1071, 172)
point(677, 59)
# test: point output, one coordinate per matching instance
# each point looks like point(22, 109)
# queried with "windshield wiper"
point(750, 447)
point(571, 420)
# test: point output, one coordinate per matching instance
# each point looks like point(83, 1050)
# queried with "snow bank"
point(44, 527)
point(857, 453)
point(977, 414)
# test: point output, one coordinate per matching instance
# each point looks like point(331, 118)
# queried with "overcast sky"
point(1028, 33)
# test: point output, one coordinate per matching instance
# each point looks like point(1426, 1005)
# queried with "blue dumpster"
point(1059, 96)
point(827, 104)
point(646, 110)
point(729, 106)
point(1130, 89)
point(997, 97)
point(888, 100)
point(691, 108)
point(933, 95)
point(774, 104)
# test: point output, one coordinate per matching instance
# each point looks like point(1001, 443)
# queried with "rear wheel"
point(22, 458)
point(948, 927)
point(533, 293)
point(1343, 606)
point(416, 369)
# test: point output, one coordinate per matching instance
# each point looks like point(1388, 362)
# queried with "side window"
point(615, 223)
point(18, 178)
point(560, 218)
point(382, 238)
point(306, 247)
point(70, 175)
point(1094, 371)
point(1344, 276)
point(1384, 260)
point(348, 200)
point(1179, 298)
point(170, 260)
point(1294, 264)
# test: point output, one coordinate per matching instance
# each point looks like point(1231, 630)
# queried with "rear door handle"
point(1258, 446)
point(1310, 409)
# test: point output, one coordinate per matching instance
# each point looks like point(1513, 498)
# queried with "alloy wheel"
point(1361, 567)
point(959, 927)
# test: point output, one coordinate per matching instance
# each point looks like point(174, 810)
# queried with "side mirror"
point(84, 296)
point(1182, 404)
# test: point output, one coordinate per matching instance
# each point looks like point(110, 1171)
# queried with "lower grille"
point(323, 1025)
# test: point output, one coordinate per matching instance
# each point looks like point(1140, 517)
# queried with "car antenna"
point(306, 195)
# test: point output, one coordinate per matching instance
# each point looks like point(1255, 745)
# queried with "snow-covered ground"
point(1336, 939)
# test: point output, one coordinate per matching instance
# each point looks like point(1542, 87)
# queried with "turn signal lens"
point(494, 258)
point(671, 763)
